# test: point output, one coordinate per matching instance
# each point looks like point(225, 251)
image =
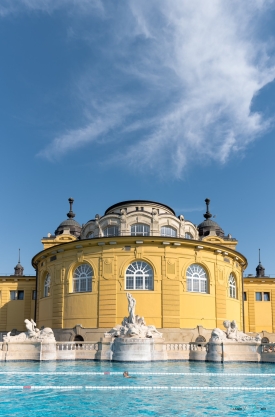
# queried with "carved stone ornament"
point(133, 325)
point(32, 334)
point(231, 334)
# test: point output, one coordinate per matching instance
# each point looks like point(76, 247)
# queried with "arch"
point(265, 340)
point(200, 339)
point(78, 338)
point(232, 286)
point(139, 276)
point(140, 229)
point(197, 279)
point(47, 285)
point(168, 231)
point(82, 278)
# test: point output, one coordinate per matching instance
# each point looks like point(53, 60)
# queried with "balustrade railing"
point(268, 348)
point(193, 346)
point(79, 345)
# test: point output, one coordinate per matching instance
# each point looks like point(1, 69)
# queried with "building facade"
point(181, 275)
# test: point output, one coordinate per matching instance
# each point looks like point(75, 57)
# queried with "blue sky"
point(105, 101)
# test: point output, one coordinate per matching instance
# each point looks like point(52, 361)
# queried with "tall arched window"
point(232, 288)
point(168, 231)
point(140, 229)
point(82, 278)
point(110, 231)
point(47, 286)
point(139, 276)
point(196, 279)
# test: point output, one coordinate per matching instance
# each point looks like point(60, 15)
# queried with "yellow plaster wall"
point(260, 314)
point(169, 305)
point(14, 312)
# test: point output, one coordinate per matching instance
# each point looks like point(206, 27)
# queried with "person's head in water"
point(125, 374)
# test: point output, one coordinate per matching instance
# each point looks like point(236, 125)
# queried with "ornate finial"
point(19, 257)
point(259, 256)
point(71, 214)
point(207, 215)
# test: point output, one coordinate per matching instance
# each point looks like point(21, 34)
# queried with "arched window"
point(82, 278)
point(188, 236)
point(196, 279)
point(232, 288)
point(90, 235)
point(168, 231)
point(140, 229)
point(139, 276)
point(110, 231)
point(47, 286)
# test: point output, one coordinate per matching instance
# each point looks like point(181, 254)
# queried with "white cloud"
point(199, 65)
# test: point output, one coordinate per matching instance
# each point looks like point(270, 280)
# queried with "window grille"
point(139, 276)
point(196, 279)
point(232, 288)
point(82, 278)
point(139, 229)
point(47, 286)
point(168, 231)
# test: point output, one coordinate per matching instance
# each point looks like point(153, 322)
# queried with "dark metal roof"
point(125, 203)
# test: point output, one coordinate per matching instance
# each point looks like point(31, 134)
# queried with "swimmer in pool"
point(126, 375)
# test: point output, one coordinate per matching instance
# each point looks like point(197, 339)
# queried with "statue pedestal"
point(126, 349)
point(234, 351)
point(29, 351)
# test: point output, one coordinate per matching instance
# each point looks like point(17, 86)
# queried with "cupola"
point(69, 226)
point(260, 270)
point(208, 226)
point(18, 269)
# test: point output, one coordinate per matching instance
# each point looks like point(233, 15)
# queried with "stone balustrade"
point(83, 346)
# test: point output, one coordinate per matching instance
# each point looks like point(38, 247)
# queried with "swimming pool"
point(84, 388)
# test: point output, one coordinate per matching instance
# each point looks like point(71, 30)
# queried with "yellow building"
point(259, 303)
point(17, 299)
point(181, 275)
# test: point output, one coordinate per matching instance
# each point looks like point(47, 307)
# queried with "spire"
point(71, 214)
point(19, 256)
point(207, 215)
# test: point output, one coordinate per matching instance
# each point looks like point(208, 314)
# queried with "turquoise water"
point(85, 388)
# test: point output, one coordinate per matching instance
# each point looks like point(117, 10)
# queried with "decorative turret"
point(260, 270)
point(18, 269)
point(70, 225)
point(209, 227)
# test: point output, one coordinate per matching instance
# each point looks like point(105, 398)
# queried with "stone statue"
point(131, 308)
point(133, 325)
point(32, 334)
point(231, 334)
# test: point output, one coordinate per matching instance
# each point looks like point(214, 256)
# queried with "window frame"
point(145, 274)
point(115, 233)
point(77, 282)
point(144, 232)
point(232, 288)
point(202, 279)
point(172, 229)
point(47, 286)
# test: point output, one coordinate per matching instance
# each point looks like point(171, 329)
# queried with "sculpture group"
point(133, 325)
point(32, 334)
point(231, 334)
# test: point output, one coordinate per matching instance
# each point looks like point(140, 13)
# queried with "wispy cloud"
point(190, 71)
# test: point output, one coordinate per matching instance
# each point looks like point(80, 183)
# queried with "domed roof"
point(209, 225)
point(71, 224)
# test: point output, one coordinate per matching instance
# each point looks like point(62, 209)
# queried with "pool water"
point(84, 388)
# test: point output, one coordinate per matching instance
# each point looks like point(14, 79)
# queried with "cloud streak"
point(190, 71)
